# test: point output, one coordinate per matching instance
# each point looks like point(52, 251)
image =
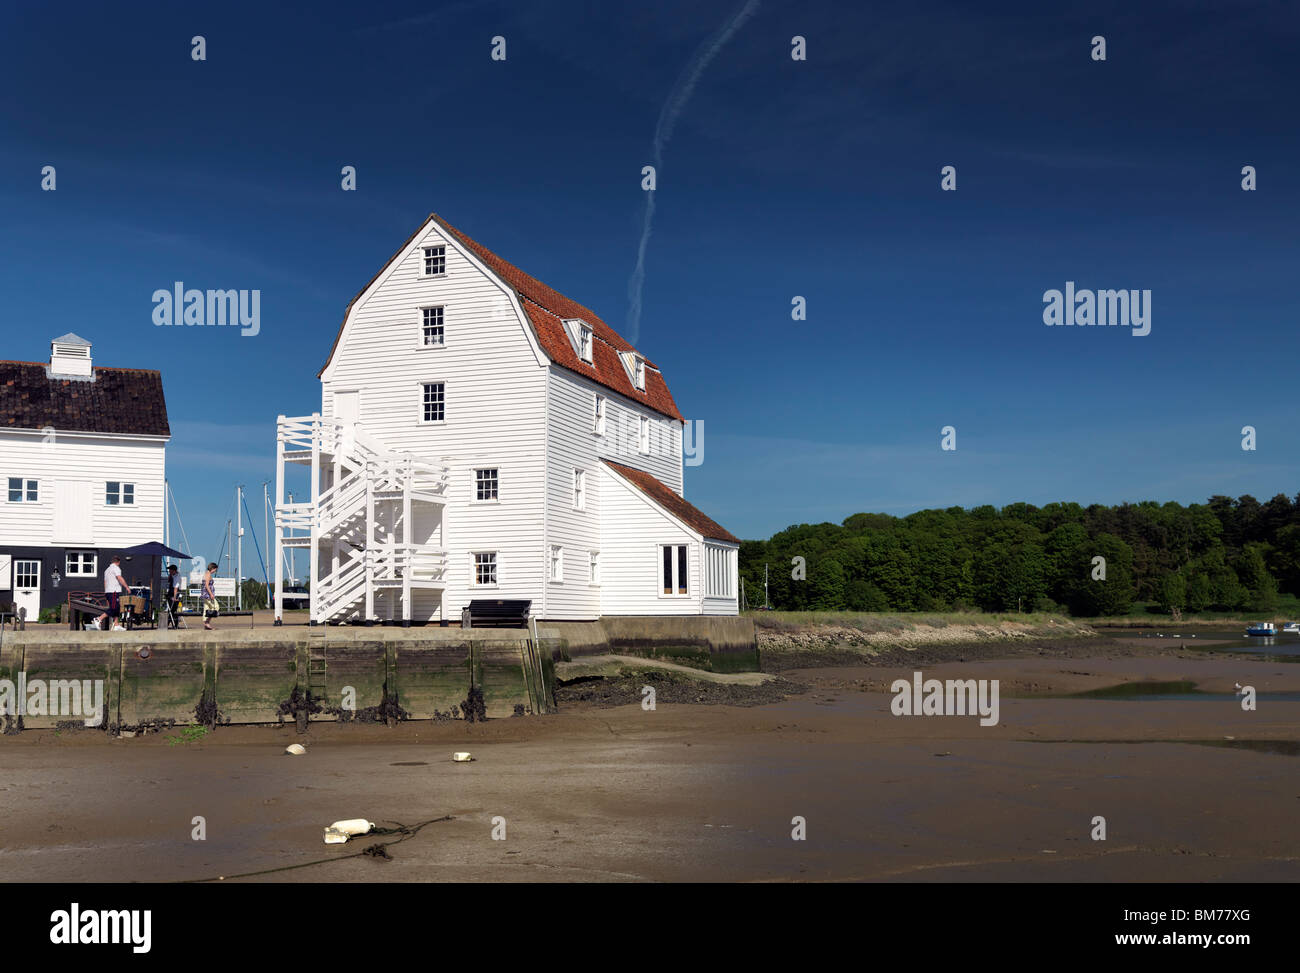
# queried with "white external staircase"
point(360, 525)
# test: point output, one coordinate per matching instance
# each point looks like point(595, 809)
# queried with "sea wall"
point(715, 643)
point(260, 677)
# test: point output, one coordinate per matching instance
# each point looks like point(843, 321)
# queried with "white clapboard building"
point(82, 460)
point(481, 436)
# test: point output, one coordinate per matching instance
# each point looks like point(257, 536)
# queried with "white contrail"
point(677, 98)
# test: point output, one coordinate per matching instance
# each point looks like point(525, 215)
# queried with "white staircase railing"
point(367, 473)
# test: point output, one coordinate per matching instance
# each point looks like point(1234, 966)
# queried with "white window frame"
point(82, 557)
point(593, 569)
point(423, 387)
point(474, 485)
point(425, 258)
point(675, 591)
point(29, 490)
point(718, 572)
point(24, 565)
point(555, 564)
point(474, 565)
point(585, 339)
point(600, 415)
point(424, 326)
point(638, 373)
point(121, 492)
point(643, 435)
point(579, 489)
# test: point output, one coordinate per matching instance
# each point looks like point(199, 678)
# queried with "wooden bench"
point(495, 613)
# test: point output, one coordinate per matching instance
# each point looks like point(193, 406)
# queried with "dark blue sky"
point(781, 178)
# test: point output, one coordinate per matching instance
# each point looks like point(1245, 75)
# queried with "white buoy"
point(297, 749)
point(462, 757)
point(352, 826)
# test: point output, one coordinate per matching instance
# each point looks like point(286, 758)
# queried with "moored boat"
point(1291, 628)
point(1261, 628)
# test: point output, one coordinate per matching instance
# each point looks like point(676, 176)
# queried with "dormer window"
point(580, 336)
point(635, 366)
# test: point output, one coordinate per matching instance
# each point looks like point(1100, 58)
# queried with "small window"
point(593, 567)
point(119, 493)
point(584, 343)
point(27, 574)
point(435, 261)
point(674, 569)
point(598, 425)
point(555, 567)
point(579, 489)
point(22, 491)
point(81, 564)
point(717, 566)
point(643, 438)
point(485, 484)
point(638, 372)
point(432, 330)
point(434, 402)
point(485, 568)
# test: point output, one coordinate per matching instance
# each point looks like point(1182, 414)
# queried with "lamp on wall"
point(55, 577)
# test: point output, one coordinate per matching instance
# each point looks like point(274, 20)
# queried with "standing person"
point(210, 605)
point(173, 596)
point(114, 585)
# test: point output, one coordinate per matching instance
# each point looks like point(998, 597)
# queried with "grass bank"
point(869, 633)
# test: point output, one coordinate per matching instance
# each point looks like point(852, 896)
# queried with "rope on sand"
point(377, 850)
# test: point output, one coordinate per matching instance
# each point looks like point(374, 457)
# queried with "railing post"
point(314, 552)
point(279, 527)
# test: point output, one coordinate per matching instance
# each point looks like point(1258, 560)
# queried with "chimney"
point(70, 357)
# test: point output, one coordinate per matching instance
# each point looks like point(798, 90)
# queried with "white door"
point(347, 406)
point(27, 588)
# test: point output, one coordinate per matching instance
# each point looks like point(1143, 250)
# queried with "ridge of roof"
point(546, 309)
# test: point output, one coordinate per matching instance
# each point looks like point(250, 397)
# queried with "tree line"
point(1222, 555)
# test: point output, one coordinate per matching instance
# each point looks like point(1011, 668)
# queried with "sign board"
point(221, 587)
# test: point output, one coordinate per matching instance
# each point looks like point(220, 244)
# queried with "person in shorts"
point(114, 585)
point(210, 606)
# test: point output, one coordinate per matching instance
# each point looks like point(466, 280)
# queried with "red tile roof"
point(663, 495)
point(547, 309)
point(125, 401)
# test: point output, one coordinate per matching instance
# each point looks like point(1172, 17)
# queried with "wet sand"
point(696, 793)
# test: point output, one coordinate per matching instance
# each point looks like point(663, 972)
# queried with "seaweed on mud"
point(207, 714)
point(300, 706)
point(388, 711)
point(519, 709)
point(155, 725)
point(12, 726)
point(378, 852)
point(440, 717)
point(475, 707)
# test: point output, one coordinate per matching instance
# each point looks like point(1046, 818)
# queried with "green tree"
point(1173, 593)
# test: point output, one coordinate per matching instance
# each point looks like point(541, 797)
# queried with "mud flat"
point(603, 791)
